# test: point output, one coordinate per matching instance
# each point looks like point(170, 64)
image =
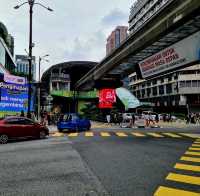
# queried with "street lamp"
point(40, 59)
point(31, 4)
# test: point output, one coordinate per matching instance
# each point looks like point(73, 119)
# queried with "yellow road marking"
point(73, 134)
point(196, 145)
point(105, 134)
point(89, 134)
point(194, 149)
point(172, 135)
point(187, 167)
point(191, 135)
point(184, 178)
point(138, 134)
point(121, 134)
point(57, 134)
point(191, 159)
point(192, 153)
point(165, 191)
point(155, 135)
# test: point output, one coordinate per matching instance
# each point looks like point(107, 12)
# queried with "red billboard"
point(106, 98)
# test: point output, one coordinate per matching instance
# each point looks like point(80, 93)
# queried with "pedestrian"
point(157, 118)
point(48, 118)
point(108, 118)
point(22, 113)
point(132, 120)
point(147, 119)
point(42, 115)
point(120, 119)
point(33, 117)
point(29, 115)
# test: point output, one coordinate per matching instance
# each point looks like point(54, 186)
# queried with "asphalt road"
point(132, 167)
point(49, 167)
point(95, 166)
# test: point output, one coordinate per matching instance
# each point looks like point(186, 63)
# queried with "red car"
point(20, 127)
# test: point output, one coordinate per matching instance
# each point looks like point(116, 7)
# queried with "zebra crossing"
point(184, 180)
point(124, 134)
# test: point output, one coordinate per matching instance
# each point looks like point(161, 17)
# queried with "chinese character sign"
point(106, 98)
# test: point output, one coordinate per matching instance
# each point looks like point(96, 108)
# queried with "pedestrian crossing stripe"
point(194, 149)
point(172, 135)
point(166, 191)
point(195, 145)
point(105, 134)
point(138, 134)
point(121, 134)
point(187, 167)
point(89, 134)
point(73, 134)
point(57, 134)
point(190, 159)
point(184, 178)
point(192, 153)
point(192, 135)
point(155, 135)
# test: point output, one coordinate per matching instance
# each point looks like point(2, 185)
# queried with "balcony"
point(60, 77)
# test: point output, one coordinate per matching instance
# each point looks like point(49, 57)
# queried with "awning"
point(127, 98)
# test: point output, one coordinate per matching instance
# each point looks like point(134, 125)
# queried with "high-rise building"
point(23, 66)
point(115, 38)
point(6, 50)
point(144, 10)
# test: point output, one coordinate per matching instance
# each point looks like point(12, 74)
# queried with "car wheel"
point(42, 135)
point(88, 128)
point(3, 139)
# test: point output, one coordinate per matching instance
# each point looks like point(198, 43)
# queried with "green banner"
point(80, 95)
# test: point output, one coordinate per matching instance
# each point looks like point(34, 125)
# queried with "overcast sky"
point(76, 30)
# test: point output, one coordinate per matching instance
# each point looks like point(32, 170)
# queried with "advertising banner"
point(14, 97)
point(14, 79)
point(177, 55)
point(107, 97)
point(127, 98)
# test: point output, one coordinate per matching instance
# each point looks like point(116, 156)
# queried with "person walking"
point(108, 118)
point(22, 113)
point(147, 119)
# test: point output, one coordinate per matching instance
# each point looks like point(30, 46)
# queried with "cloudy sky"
point(76, 30)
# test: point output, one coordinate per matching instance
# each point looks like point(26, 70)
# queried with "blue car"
point(73, 122)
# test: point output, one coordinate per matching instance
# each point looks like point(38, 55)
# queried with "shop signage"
point(14, 79)
point(107, 97)
point(182, 53)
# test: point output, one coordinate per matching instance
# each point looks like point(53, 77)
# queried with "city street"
point(101, 162)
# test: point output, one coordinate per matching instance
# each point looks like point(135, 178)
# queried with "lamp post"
point(40, 59)
point(31, 4)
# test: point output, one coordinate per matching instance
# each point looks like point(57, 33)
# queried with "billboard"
point(14, 97)
point(177, 55)
point(107, 97)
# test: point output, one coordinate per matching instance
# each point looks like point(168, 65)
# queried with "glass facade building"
point(23, 65)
